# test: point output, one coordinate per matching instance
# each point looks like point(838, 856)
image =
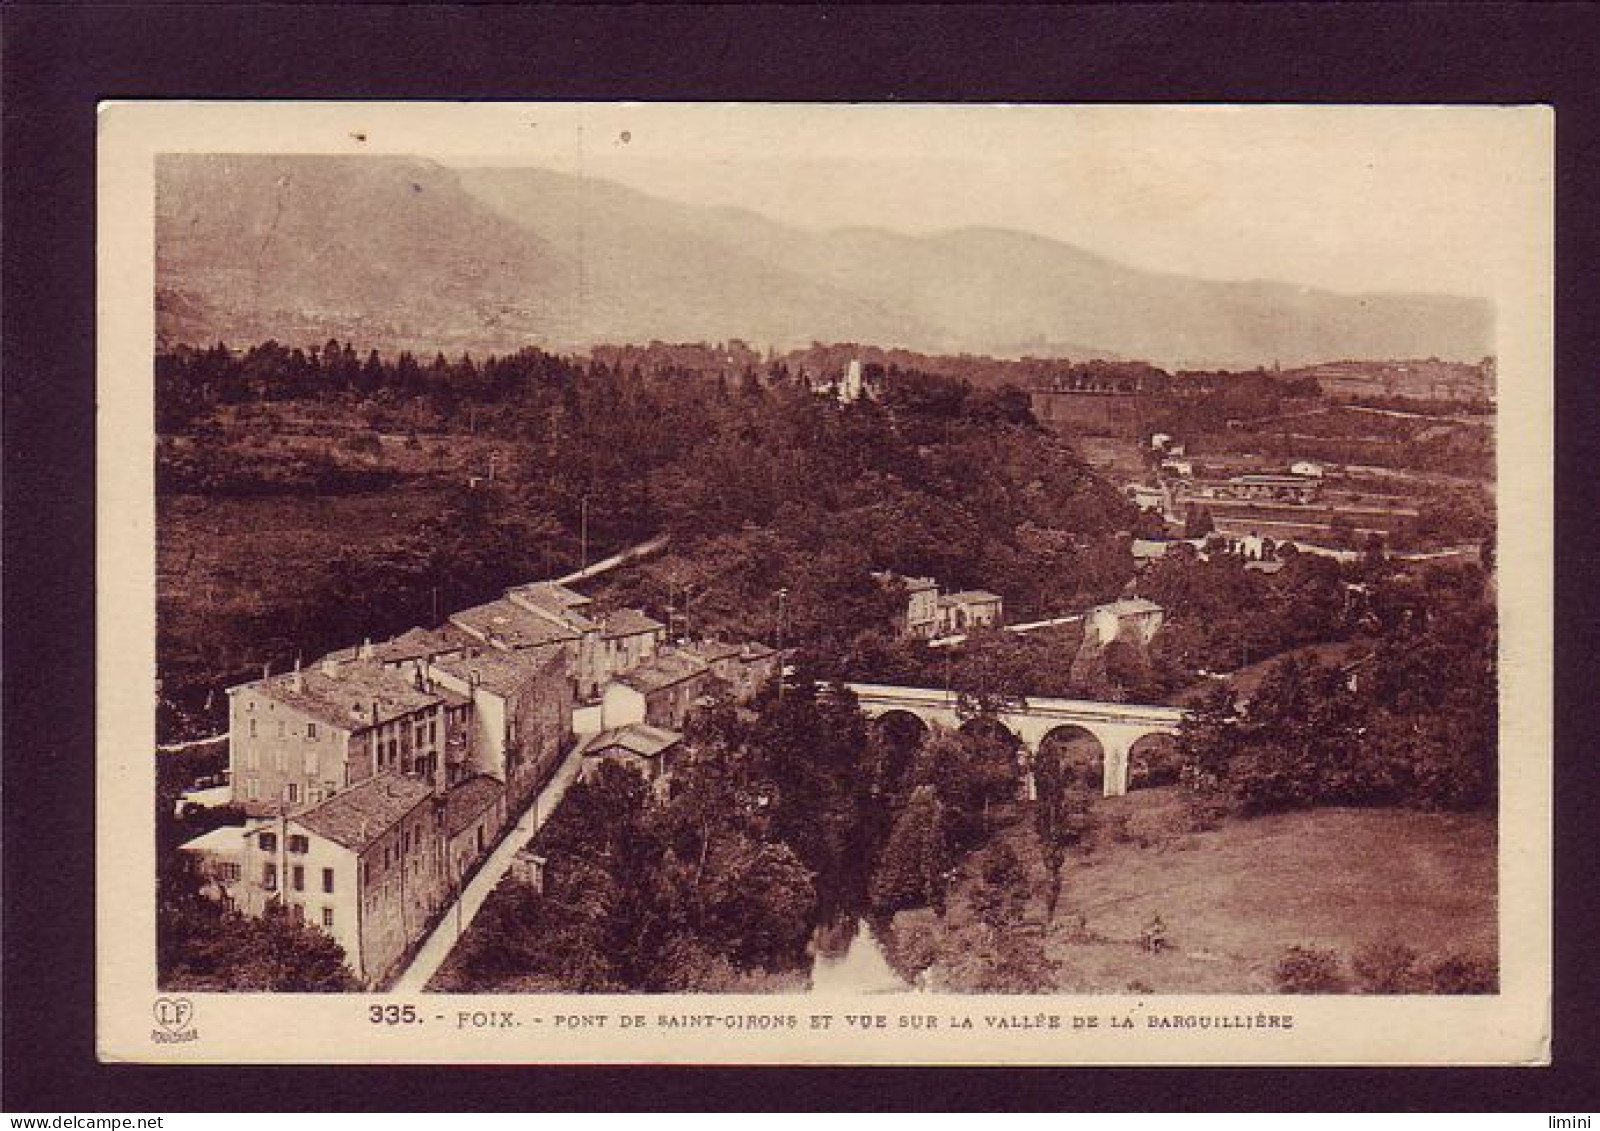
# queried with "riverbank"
point(1232, 898)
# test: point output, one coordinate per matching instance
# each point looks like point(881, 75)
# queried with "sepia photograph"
point(912, 556)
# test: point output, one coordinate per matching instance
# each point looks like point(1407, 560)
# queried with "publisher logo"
point(173, 1014)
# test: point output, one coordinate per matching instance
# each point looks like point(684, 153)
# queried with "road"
point(643, 549)
point(459, 916)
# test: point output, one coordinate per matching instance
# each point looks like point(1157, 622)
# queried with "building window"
point(297, 876)
point(252, 790)
point(297, 913)
point(269, 842)
point(269, 877)
point(311, 731)
point(280, 728)
point(327, 880)
point(433, 730)
point(228, 873)
point(252, 728)
point(299, 844)
point(366, 873)
point(327, 917)
point(294, 793)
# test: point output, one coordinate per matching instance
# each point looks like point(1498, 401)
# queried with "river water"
point(848, 959)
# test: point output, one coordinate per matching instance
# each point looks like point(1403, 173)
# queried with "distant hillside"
point(394, 252)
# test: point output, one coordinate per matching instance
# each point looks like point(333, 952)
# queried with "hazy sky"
point(1352, 199)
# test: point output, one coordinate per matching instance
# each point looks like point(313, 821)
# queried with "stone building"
point(743, 669)
point(649, 750)
point(969, 608)
point(920, 617)
point(510, 626)
point(521, 715)
point(628, 638)
point(475, 815)
point(301, 737)
point(1135, 620)
point(661, 691)
point(366, 866)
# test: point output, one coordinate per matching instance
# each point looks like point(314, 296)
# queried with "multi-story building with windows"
point(301, 737)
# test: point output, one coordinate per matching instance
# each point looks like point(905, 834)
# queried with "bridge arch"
point(1004, 734)
point(902, 727)
point(901, 735)
point(1153, 760)
point(1080, 750)
point(1118, 728)
point(991, 727)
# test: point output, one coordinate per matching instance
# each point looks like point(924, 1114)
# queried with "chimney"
point(365, 651)
point(330, 665)
point(296, 681)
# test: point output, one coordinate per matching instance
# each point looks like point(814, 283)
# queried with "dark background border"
point(59, 61)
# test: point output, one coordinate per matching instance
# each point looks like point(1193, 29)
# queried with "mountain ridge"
point(404, 252)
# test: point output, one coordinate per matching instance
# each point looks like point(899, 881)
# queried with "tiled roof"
point(504, 673)
point(467, 801)
point(415, 643)
point(713, 650)
point(664, 669)
point(636, 738)
point(509, 625)
point(223, 840)
point(556, 592)
point(629, 622)
point(357, 816)
point(969, 597)
point(556, 602)
point(1130, 606)
point(353, 694)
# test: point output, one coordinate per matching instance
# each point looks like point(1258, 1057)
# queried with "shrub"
point(1309, 970)
point(1463, 973)
point(1386, 967)
point(1206, 811)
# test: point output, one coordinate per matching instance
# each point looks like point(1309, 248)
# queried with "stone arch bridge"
point(1120, 729)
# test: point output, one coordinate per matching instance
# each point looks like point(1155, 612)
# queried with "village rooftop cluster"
point(376, 781)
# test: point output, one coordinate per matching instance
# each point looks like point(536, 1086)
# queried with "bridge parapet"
point(1115, 726)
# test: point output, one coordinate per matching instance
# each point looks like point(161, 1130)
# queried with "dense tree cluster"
point(764, 485)
point(1219, 614)
point(1415, 724)
point(203, 945)
point(767, 830)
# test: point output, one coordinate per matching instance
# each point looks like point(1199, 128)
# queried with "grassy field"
point(1235, 897)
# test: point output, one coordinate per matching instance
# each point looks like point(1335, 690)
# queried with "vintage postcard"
point(824, 584)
